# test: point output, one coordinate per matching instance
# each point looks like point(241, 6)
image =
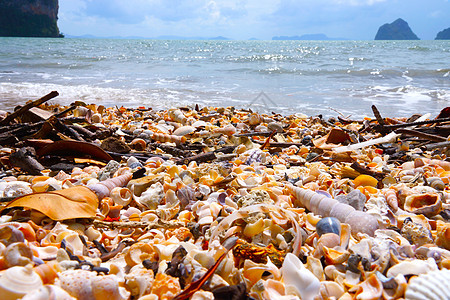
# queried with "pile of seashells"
point(271, 208)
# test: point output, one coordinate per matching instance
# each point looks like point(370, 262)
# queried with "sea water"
point(310, 77)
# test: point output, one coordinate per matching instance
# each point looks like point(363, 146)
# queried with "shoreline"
point(253, 204)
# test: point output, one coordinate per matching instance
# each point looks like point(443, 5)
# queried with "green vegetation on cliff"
point(29, 18)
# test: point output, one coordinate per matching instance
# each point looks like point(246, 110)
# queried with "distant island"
point(306, 37)
point(29, 18)
point(397, 30)
point(161, 37)
point(443, 35)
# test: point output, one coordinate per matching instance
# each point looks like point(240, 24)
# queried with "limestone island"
point(397, 30)
point(443, 35)
point(29, 18)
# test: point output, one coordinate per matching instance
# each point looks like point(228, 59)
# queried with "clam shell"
point(430, 286)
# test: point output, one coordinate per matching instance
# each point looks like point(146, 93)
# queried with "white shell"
point(15, 282)
point(412, 267)
point(183, 130)
point(430, 286)
point(297, 279)
point(121, 196)
point(17, 188)
point(48, 292)
point(151, 197)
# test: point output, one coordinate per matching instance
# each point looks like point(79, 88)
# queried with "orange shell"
point(365, 180)
point(165, 286)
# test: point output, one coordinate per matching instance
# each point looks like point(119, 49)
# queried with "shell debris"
point(311, 213)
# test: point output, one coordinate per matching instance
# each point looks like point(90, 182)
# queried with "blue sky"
point(243, 19)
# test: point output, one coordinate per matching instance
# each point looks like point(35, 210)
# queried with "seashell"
point(48, 271)
point(428, 204)
point(412, 267)
point(275, 126)
point(253, 272)
point(107, 288)
point(329, 207)
point(255, 228)
point(139, 252)
point(165, 286)
point(121, 196)
point(17, 254)
point(138, 144)
point(48, 292)
point(10, 234)
point(177, 116)
point(391, 198)
point(164, 138)
point(328, 225)
point(139, 282)
point(226, 130)
point(416, 233)
point(369, 289)
point(151, 198)
point(168, 211)
point(16, 282)
point(254, 119)
point(443, 235)
point(103, 188)
point(297, 279)
point(83, 284)
point(17, 189)
point(184, 130)
point(365, 180)
point(436, 183)
point(330, 290)
point(203, 295)
point(432, 285)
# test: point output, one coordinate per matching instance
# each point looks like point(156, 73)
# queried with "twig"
point(422, 135)
point(27, 106)
point(136, 224)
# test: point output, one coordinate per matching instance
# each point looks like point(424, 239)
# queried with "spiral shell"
point(17, 281)
point(329, 207)
point(177, 116)
point(121, 196)
point(432, 285)
point(162, 137)
point(103, 189)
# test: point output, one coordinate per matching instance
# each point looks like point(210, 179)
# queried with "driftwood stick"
point(249, 134)
point(27, 106)
point(377, 115)
point(422, 135)
point(199, 158)
point(435, 121)
point(435, 146)
point(363, 170)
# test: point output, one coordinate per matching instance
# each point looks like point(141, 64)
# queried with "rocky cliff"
point(397, 30)
point(443, 35)
point(29, 18)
